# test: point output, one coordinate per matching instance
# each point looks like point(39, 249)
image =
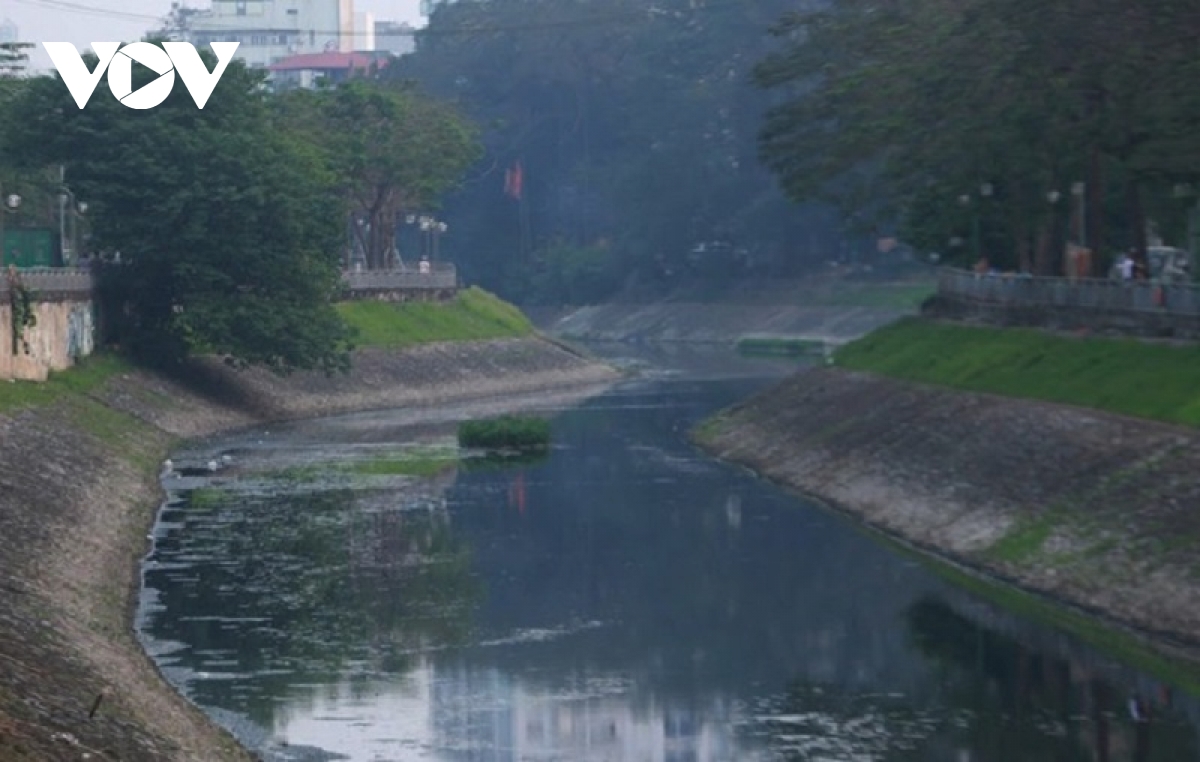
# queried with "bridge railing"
point(1078, 293)
point(70, 280)
point(81, 280)
point(442, 275)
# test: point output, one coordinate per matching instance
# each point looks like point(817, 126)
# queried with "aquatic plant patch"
point(505, 433)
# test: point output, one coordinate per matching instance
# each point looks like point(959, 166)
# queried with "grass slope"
point(473, 315)
point(1119, 375)
point(74, 382)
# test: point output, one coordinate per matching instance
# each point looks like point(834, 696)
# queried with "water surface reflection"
point(624, 599)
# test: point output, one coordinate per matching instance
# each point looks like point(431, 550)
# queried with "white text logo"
point(165, 61)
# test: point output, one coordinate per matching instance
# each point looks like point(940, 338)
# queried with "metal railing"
point(73, 280)
point(1070, 293)
point(442, 275)
point(80, 280)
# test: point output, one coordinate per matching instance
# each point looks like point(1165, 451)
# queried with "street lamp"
point(438, 229)
point(10, 203)
point(78, 208)
point(985, 191)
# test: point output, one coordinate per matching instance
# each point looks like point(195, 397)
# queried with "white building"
point(398, 38)
point(272, 30)
point(8, 31)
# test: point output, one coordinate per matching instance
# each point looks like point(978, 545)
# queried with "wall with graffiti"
point(64, 332)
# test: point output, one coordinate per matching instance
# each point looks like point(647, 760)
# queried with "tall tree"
point(392, 150)
point(934, 100)
point(219, 226)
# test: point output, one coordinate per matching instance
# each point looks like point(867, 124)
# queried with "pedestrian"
point(1126, 267)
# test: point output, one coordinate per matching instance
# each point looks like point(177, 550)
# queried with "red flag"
point(518, 180)
point(513, 181)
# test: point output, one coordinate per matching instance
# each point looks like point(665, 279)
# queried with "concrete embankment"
point(78, 490)
point(1092, 509)
point(719, 323)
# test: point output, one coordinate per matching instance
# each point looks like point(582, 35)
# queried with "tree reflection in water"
point(998, 697)
point(315, 587)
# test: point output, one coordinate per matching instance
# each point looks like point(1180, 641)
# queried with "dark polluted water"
point(348, 589)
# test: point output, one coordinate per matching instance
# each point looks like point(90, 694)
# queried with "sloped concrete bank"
point(79, 488)
point(1094, 510)
point(718, 323)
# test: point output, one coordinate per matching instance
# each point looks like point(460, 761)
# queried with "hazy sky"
point(86, 21)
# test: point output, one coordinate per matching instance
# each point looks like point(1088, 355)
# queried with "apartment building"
point(271, 30)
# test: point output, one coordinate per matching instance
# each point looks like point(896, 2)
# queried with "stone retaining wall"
point(1093, 509)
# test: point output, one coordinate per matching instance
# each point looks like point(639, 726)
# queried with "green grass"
point(505, 433)
point(78, 381)
point(474, 314)
point(1126, 376)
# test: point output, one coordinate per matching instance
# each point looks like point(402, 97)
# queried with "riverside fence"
point(1098, 294)
point(78, 282)
point(1134, 308)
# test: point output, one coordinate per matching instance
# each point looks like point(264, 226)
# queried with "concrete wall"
point(65, 331)
point(1094, 509)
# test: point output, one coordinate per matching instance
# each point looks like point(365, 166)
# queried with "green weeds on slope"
point(1126, 376)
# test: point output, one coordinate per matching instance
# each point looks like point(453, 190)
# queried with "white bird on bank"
point(212, 466)
point(168, 467)
point(226, 458)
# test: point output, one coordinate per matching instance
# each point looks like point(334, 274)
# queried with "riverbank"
point(78, 490)
point(1089, 507)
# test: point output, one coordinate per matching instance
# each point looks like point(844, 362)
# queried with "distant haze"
point(128, 20)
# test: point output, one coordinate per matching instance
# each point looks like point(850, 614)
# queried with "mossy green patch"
point(1126, 376)
point(710, 428)
point(473, 315)
point(1118, 644)
point(1024, 539)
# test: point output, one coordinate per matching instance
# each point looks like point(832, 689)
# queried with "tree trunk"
point(1095, 203)
point(1043, 263)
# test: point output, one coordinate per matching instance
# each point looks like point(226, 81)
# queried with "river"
point(347, 589)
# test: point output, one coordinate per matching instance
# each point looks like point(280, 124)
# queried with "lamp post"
point(8, 204)
point(985, 191)
point(78, 208)
point(438, 229)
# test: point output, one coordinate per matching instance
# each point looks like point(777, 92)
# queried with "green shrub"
point(505, 433)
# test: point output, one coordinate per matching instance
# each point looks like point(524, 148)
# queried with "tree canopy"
point(930, 113)
point(634, 131)
point(392, 151)
point(222, 229)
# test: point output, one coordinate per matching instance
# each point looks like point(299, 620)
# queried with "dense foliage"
point(634, 129)
point(946, 115)
point(223, 230)
point(393, 152)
